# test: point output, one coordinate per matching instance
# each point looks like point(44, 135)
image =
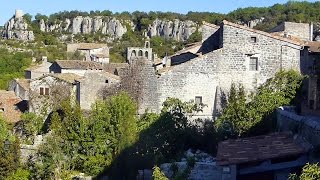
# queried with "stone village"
point(203, 73)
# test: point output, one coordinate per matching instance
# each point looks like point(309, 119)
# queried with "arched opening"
point(146, 54)
point(140, 53)
point(147, 44)
point(133, 53)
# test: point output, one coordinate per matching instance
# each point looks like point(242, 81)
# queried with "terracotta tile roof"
point(24, 83)
point(294, 38)
point(8, 104)
point(37, 66)
point(67, 77)
point(110, 75)
point(78, 64)
point(102, 55)
point(112, 67)
point(314, 46)
point(262, 33)
point(87, 46)
point(192, 48)
point(257, 148)
point(210, 25)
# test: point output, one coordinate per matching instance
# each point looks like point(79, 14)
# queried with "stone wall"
point(300, 30)
point(211, 75)
point(91, 87)
point(307, 127)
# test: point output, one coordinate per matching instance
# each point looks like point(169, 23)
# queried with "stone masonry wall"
point(301, 30)
point(211, 75)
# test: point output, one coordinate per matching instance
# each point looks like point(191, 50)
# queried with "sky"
point(48, 7)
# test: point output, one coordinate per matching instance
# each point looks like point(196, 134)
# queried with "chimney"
point(44, 59)
point(285, 34)
point(311, 31)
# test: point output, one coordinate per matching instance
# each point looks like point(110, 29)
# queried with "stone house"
point(11, 106)
point(38, 70)
point(50, 90)
point(92, 86)
point(231, 53)
point(75, 66)
point(20, 87)
point(271, 156)
point(91, 51)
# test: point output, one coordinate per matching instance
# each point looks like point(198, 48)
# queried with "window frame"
point(253, 39)
point(255, 64)
point(195, 100)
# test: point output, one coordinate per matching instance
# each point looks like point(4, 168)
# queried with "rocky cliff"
point(178, 30)
point(85, 25)
point(17, 28)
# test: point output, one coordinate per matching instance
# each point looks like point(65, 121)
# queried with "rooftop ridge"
point(225, 22)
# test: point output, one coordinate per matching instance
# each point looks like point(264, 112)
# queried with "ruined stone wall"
point(301, 30)
point(91, 88)
point(307, 127)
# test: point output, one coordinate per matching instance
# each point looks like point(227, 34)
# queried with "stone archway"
point(133, 53)
point(146, 54)
point(140, 53)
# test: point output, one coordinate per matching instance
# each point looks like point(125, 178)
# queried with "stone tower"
point(140, 52)
point(18, 14)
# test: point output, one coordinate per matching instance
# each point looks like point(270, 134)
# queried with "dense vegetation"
point(12, 65)
point(246, 118)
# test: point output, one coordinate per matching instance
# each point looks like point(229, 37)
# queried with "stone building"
point(75, 66)
point(90, 88)
point(303, 31)
point(38, 70)
point(140, 52)
point(11, 106)
point(50, 90)
point(230, 54)
point(91, 51)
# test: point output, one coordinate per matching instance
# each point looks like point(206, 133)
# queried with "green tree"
point(241, 117)
point(309, 172)
point(158, 174)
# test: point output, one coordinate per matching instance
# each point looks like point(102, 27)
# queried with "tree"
point(309, 172)
point(241, 117)
point(158, 174)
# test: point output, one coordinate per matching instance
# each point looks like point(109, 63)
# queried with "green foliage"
point(9, 151)
point(309, 172)
point(19, 174)
point(158, 174)
point(241, 117)
point(32, 123)
point(195, 37)
point(12, 65)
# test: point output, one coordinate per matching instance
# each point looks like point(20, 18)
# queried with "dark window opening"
point(253, 64)
point(107, 81)
point(198, 100)
point(253, 39)
point(41, 91)
point(46, 91)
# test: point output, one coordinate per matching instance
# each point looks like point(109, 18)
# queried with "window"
point(107, 81)
point(41, 91)
point(253, 39)
point(253, 64)
point(44, 91)
point(198, 100)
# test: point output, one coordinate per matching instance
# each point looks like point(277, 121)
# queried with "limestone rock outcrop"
point(178, 30)
point(17, 28)
point(111, 26)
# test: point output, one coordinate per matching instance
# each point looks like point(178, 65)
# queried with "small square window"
point(41, 91)
point(253, 64)
point(198, 100)
point(253, 39)
point(46, 91)
point(107, 81)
